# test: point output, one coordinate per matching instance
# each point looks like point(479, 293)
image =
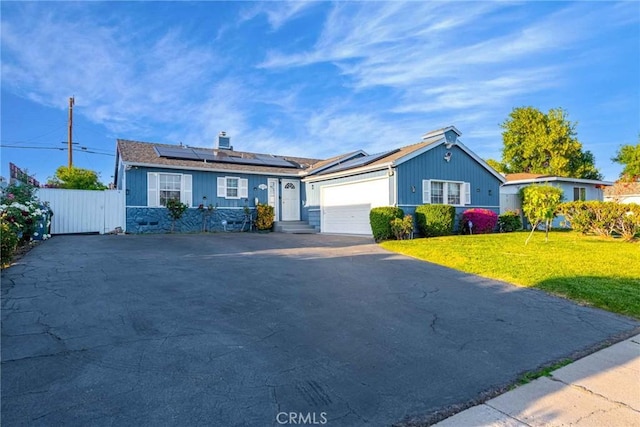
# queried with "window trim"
point(243, 187)
point(153, 188)
point(581, 191)
point(465, 192)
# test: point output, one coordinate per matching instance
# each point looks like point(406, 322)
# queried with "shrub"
point(176, 210)
point(264, 217)
point(482, 220)
point(435, 220)
point(509, 221)
point(21, 210)
point(602, 218)
point(628, 223)
point(380, 219)
point(402, 228)
point(8, 243)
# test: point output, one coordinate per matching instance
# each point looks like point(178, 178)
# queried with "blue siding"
point(204, 185)
point(311, 201)
point(142, 219)
point(485, 187)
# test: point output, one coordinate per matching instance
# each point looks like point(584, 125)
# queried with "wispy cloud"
point(127, 86)
point(278, 13)
point(370, 75)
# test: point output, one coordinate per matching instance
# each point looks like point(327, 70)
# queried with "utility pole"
point(72, 101)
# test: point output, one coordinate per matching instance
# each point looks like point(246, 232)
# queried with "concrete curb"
point(600, 389)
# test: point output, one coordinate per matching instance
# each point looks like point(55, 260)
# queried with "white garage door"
point(345, 207)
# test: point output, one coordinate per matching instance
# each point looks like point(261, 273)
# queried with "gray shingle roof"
point(142, 153)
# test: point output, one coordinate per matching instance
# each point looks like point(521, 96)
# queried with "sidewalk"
point(602, 389)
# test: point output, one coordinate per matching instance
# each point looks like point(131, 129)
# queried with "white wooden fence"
point(84, 211)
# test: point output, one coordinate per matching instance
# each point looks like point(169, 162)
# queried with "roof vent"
point(224, 142)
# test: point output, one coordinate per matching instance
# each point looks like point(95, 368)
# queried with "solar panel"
point(205, 155)
point(176, 153)
point(275, 161)
point(358, 162)
point(187, 153)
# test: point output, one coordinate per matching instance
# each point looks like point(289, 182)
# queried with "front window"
point(232, 187)
point(579, 194)
point(169, 186)
point(446, 192)
point(437, 192)
point(453, 193)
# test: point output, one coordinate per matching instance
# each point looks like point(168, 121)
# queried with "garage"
point(345, 207)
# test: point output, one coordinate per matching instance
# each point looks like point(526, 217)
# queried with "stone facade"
point(157, 220)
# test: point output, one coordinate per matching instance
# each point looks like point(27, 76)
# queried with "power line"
point(83, 150)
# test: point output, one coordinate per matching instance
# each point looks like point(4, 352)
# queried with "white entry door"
point(272, 197)
point(290, 200)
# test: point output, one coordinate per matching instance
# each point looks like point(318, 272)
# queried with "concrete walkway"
point(602, 389)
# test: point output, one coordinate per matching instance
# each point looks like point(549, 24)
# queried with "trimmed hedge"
point(509, 221)
point(435, 220)
point(483, 220)
point(380, 219)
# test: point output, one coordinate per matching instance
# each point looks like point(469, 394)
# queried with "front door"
point(272, 197)
point(290, 200)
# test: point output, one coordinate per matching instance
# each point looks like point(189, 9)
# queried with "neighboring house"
point(623, 192)
point(333, 195)
point(573, 189)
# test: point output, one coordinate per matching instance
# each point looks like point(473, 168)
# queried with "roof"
point(523, 175)
point(532, 178)
point(138, 153)
point(621, 188)
point(382, 160)
point(324, 164)
point(143, 154)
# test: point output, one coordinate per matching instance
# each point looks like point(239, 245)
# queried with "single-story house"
point(573, 189)
point(332, 196)
point(623, 192)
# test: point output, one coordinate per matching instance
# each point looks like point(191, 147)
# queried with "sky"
point(312, 79)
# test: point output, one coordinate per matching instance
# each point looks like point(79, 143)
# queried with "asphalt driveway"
point(245, 329)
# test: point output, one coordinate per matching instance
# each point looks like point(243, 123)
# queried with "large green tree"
point(544, 143)
point(76, 178)
point(629, 157)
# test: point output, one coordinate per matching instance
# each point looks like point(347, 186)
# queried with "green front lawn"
point(604, 273)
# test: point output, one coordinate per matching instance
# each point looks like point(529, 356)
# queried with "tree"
point(536, 142)
point(76, 178)
point(498, 166)
point(540, 203)
point(629, 157)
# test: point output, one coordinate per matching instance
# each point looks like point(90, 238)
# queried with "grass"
point(604, 273)
point(544, 372)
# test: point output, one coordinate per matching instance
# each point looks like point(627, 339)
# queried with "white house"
point(573, 189)
point(623, 192)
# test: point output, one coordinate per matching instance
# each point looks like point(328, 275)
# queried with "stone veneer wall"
point(157, 220)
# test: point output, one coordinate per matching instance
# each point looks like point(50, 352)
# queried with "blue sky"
point(312, 79)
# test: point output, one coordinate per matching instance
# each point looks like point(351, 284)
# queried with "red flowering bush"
point(482, 221)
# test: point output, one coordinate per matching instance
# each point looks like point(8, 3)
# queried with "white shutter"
point(467, 193)
point(426, 191)
point(222, 187)
point(243, 188)
point(153, 196)
point(186, 193)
